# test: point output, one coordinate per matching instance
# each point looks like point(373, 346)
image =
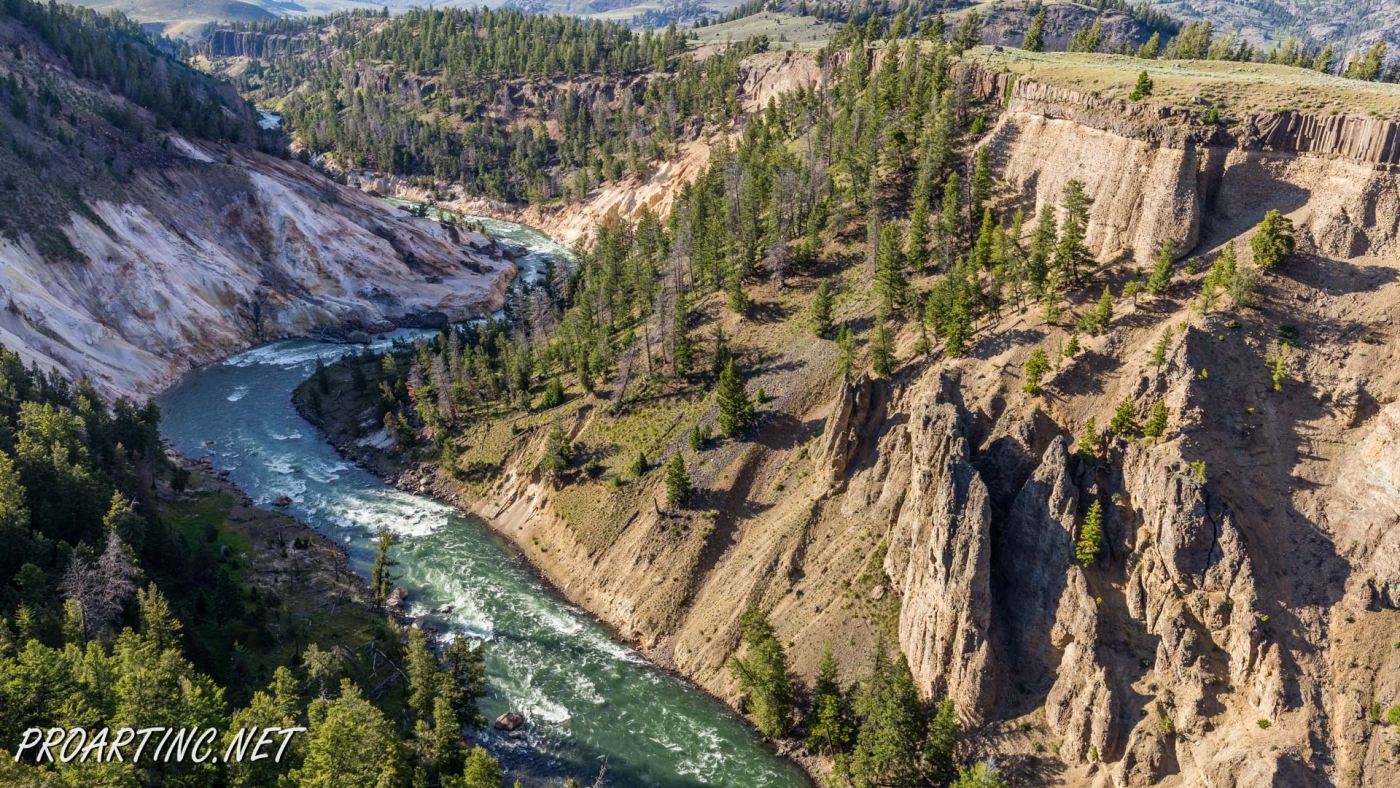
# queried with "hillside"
point(142, 232)
point(1233, 620)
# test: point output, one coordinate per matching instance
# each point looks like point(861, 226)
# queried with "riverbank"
point(511, 511)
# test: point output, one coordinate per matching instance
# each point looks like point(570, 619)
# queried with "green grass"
point(785, 31)
point(1237, 87)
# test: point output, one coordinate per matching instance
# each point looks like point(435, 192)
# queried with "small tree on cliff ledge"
point(1086, 550)
point(1274, 241)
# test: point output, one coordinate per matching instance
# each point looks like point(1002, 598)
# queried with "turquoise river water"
point(588, 697)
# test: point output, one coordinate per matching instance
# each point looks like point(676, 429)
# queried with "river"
point(586, 695)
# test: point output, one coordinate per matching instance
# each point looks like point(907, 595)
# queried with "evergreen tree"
point(1071, 253)
point(1159, 351)
point(553, 394)
point(558, 452)
point(983, 248)
point(882, 347)
point(1163, 268)
point(1042, 247)
point(350, 742)
point(845, 352)
point(1090, 542)
point(1036, 367)
point(979, 775)
point(381, 577)
point(1124, 418)
point(981, 188)
point(1103, 313)
point(1157, 423)
point(828, 725)
point(158, 622)
point(1090, 443)
point(950, 223)
point(1143, 89)
point(683, 354)
point(677, 483)
point(480, 771)
point(890, 285)
point(943, 729)
point(891, 724)
point(735, 407)
point(722, 356)
point(822, 303)
point(763, 674)
point(1274, 240)
point(1152, 48)
point(1035, 36)
point(917, 245)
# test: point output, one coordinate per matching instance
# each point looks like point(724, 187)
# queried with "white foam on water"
point(238, 393)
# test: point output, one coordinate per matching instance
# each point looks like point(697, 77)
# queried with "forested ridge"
point(504, 104)
point(129, 594)
point(879, 177)
point(63, 143)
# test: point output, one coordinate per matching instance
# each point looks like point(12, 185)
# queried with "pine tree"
point(1274, 240)
point(828, 724)
point(821, 309)
point(1103, 313)
point(890, 285)
point(677, 483)
point(981, 188)
point(1124, 418)
point(639, 465)
point(763, 674)
point(722, 356)
point(982, 249)
point(1071, 253)
point(381, 577)
point(158, 622)
point(980, 775)
point(1088, 448)
point(683, 355)
point(1152, 48)
point(1157, 423)
point(917, 244)
point(1159, 351)
point(481, 771)
point(943, 730)
point(558, 452)
point(950, 223)
point(882, 347)
point(698, 436)
point(1277, 365)
point(1090, 542)
point(1036, 367)
point(845, 352)
point(553, 394)
point(1143, 88)
point(1163, 267)
point(1035, 36)
point(1042, 247)
point(735, 407)
point(891, 724)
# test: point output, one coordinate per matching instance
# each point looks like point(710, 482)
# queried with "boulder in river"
point(397, 598)
point(509, 721)
point(435, 320)
point(282, 500)
point(357, 337)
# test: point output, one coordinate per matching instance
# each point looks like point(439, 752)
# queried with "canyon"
point(1240, 628)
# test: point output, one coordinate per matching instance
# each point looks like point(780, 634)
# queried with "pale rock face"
point(205, 260)
point(939, 560)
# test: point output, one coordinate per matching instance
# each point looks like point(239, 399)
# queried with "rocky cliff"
point(131, 251)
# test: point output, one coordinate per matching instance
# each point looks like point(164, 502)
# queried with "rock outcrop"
point(225, 250)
